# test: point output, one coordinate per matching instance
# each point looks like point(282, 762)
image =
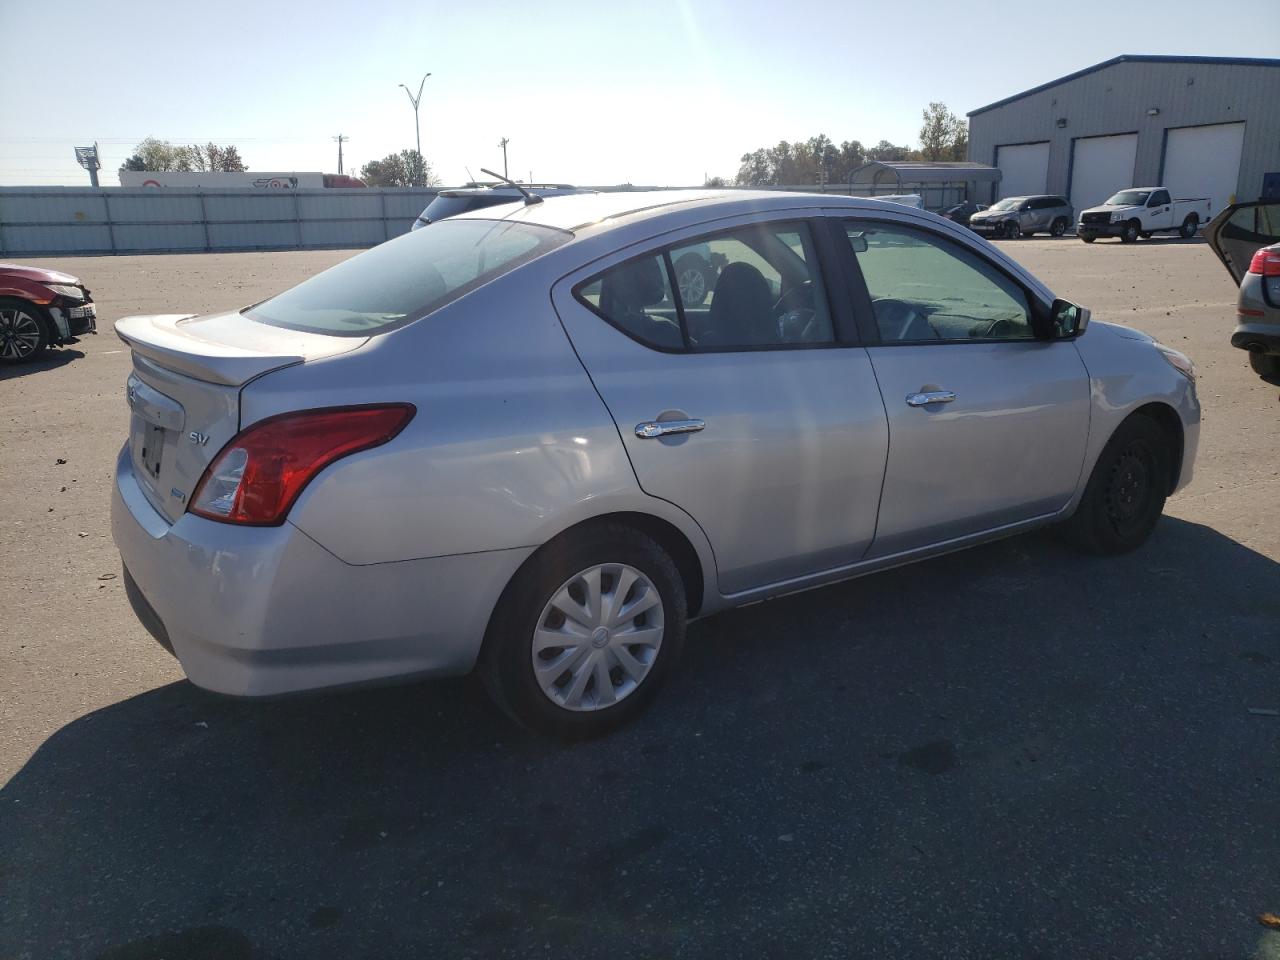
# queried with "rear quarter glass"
point(407, 278)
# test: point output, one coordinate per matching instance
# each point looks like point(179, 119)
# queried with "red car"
point(41, 308)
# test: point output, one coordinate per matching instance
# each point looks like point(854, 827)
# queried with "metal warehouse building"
point(1202, 126)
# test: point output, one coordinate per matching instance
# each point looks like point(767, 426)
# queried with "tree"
point(213, 157)
point(715, 183)
point(944, 136)
point(884, 150)
point(161, 155)
point(408, 168)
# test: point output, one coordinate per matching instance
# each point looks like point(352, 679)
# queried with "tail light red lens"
point(256, 478)
point(1266, 262)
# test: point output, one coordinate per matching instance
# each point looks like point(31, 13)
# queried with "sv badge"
point(199, 439)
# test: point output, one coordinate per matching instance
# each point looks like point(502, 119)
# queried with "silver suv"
point(1015, 217)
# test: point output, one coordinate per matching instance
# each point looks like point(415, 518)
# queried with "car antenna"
point(470, 178)
point(528, 197)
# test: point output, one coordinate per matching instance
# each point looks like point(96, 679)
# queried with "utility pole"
point(340, 138)
point(503, 144)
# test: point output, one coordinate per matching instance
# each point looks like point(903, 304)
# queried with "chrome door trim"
point(931, 396)
point(652, 429)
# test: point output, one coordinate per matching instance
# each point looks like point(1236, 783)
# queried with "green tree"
point(944, 136)
point(213, 157)
point(715, 183)
point(408, 168)
point(884, 150)
point(161, 155)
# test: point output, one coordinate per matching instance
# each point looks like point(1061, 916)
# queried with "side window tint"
point(753, 287)
point(925, 288)
point(636, 298)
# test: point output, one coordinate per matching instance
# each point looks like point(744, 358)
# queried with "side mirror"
point(1069, 320)
point(858, 241)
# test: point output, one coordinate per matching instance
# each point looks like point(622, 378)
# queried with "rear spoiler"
point(225, 348)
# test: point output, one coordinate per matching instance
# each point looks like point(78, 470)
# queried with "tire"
point(1126, 492)
point(569, 704)
point(1189, 226)
point(1059, 227)
point(1012, 230)
point(1146, 235)
point(24, 333)
point(1131, 232)
point(1266, 365)
point(693, 276)
point(1088, 237)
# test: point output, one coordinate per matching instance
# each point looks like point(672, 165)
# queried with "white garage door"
point(1024, 169)
point(1204, 162)
point(1099, 167)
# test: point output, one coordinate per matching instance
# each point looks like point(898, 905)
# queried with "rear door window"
point(406, 278)
point(754, 287)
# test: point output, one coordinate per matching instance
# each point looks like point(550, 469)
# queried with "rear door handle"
point(653, 429)
point(932, 396)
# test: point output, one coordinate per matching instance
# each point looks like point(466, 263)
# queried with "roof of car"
point(580, 212)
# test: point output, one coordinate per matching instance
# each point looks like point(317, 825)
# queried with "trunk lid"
point(1240, 231)
point(184, 391)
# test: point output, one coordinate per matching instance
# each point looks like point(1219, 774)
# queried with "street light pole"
point(415, 101)
point(503, 144)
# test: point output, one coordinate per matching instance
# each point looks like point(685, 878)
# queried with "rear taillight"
point(1266, 263)
point(256, 477)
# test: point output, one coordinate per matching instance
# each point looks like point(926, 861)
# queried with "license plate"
point(152, 448)
point(85, 311)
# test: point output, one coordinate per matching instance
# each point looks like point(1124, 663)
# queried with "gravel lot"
point(1009, 752)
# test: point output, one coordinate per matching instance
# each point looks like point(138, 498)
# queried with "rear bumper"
point(259, 611)
point(1257, 336)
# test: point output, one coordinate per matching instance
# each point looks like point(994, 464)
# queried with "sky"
point(661, 93)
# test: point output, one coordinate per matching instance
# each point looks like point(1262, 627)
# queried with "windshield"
point(1009, 203)
point(1129, 198)
point(406, 278)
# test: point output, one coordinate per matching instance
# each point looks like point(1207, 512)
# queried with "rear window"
point(445, 206)
point(406, 278)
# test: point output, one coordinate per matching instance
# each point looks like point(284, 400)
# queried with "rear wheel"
point(1130, 232)
point(1189, 226)
point(693, 276)
point(1126, 491)
point(23, 335)
point(1146, 234)
point(1264, 364)
point(1059, 227)
point(586, 632)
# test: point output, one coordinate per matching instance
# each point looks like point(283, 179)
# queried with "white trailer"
point(205, 180)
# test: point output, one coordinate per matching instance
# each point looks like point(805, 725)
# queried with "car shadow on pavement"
point(51, 360)
point(1010, 751)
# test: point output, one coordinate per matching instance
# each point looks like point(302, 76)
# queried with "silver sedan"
point(507, 443)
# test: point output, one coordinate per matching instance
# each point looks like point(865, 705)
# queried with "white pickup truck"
point(1140, 212)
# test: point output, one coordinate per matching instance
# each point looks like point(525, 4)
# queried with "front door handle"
point(932, 396)
point(652, 429)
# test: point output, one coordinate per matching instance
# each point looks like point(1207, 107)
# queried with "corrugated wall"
point(1116, 99)
point(53, 220)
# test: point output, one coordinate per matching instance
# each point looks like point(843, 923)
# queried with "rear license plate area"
point(152, 448)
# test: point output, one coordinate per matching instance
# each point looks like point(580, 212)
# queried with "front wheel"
point(1088, 237)
point(1059, 227)
point(1126, 492)
point(23, 336)
point(586, 632)
point(1011, 230)
point(1130, 232)
point(1189, 226)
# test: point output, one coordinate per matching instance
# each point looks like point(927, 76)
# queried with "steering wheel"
point(794, 314)
point(894, 318)
point(999, 327)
